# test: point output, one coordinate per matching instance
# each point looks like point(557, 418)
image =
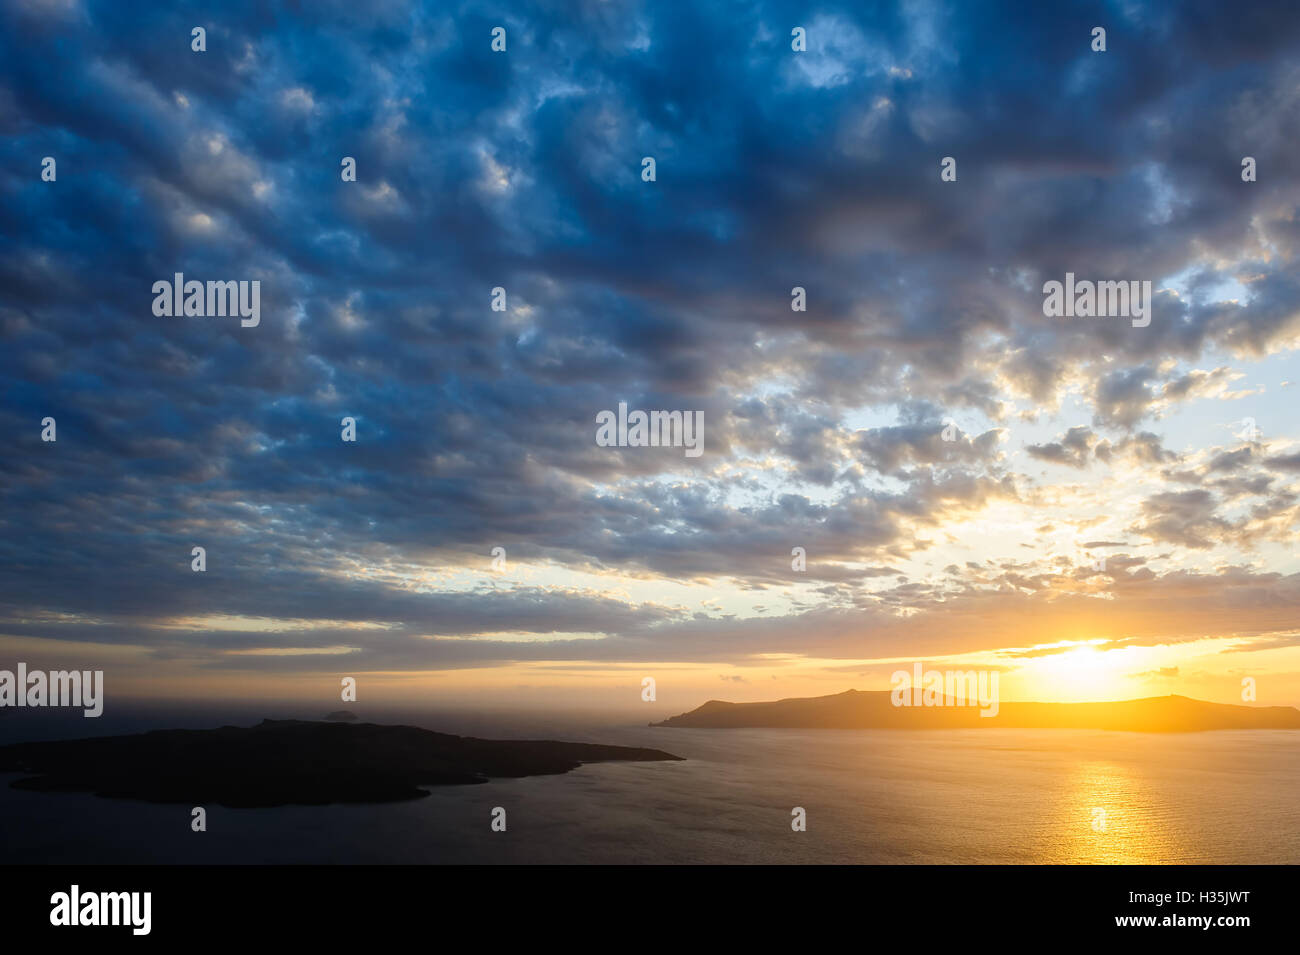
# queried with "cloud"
point(825, 429)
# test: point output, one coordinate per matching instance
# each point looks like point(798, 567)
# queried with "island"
point(873, 709)
point(284, 762)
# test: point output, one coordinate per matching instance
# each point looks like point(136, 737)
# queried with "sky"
point(1094, 509)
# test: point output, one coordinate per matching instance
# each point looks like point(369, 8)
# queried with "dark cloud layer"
point(522, 170)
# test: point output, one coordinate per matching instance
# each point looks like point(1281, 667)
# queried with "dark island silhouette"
point(283, 762)
point(873, 709)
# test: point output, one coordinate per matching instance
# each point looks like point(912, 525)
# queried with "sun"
point(1079, 674)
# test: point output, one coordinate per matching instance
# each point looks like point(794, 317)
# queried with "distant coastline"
point(284, 762)
point(872, 709)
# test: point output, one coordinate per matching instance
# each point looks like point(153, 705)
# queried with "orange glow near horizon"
point(1066, 671)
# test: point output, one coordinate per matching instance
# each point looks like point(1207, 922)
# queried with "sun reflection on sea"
point(1110, 816)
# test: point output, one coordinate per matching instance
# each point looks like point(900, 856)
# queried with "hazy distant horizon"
point(464, 718)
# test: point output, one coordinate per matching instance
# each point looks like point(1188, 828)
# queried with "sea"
point(864, 796)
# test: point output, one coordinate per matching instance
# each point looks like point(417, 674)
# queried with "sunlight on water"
point(871, 796)
point(1109, 816)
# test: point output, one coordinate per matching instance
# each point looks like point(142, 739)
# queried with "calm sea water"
point(974, 796)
